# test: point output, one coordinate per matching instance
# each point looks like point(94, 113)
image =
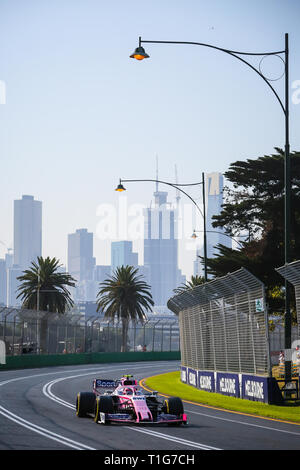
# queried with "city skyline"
point(76, 117)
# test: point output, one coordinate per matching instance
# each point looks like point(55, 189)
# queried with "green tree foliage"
point(254, 206)
point(194, 281)
point(44, 288)
point(125, 296)
point(43, 280)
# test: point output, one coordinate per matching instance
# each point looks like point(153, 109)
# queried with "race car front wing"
point(162, 418)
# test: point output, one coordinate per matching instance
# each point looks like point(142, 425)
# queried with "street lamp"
point(140, 54)
point(177, 186)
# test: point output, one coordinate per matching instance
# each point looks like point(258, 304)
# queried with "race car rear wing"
point(105, 383)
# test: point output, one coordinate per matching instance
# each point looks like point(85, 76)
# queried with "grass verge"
point(170, 384)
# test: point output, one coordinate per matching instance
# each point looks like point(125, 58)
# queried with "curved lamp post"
point(177, 186)
point(140, 54)
point(194, 235)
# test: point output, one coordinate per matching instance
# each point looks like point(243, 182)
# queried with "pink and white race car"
point(122, 401)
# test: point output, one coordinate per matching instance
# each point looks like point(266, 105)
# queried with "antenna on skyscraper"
point(156, 172)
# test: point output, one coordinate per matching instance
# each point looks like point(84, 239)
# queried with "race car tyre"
point(152, 404)
point(103, 404)
point(85, 402)
point(174, 406)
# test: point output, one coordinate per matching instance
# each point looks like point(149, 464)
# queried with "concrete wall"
point(33, 360)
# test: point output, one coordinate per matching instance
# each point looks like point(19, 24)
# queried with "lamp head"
point(120, 187)
point(194, 235)
point(139, 54)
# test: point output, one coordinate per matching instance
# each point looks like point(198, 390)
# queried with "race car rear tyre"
point(103, 404)
point(85, 402)
point(174, 406)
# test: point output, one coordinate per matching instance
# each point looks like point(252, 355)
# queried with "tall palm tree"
point(125, 296)
point(195, 281)
point(43, 288)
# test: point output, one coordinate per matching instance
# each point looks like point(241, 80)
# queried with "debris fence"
point(34, 332)
point(223, 325)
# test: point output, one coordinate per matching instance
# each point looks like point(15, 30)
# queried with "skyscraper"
point(12, 286)
point(27, 231)
point(80, 255)
point(214, 184)
point(3, 282)
point(161, 249)
point(214, 191)
point(81, 264)
point(122, 255)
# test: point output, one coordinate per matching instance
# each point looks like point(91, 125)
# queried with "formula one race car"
point(122, 401)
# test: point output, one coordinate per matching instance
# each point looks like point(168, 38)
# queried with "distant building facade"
point(81, 264)
point(80, 255)
point(12, 286)
point(214, 185)
point(3, 282)
point(27, 231)
point(122, 255)
point(161, 249)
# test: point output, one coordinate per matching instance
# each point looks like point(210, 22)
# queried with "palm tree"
point(125, 296)
point(195, 281)
point(43, 288)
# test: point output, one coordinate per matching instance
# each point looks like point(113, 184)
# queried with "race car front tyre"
point(103, 404)
point(174, 406)
point(85, 402)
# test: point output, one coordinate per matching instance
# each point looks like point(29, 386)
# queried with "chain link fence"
point(223, 325)
point(34, 332)
point(291, 272)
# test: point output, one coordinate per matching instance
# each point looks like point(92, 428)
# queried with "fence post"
point(238, 333)
point(252, 335)
point(212, 333)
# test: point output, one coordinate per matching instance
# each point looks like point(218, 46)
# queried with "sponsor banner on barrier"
point(192, 377)
point(228, 384)
point(206, 381)
point(183, 375)
point(255, 388)
point(248, 387)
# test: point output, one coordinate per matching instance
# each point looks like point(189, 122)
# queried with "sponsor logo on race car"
point(117, 416)
point(105, 383)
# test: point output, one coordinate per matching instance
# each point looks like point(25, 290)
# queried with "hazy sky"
point(79, 113)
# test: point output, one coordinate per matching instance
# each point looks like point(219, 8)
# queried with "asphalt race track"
point(37, 412)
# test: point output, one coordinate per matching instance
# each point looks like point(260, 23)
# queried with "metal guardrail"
point(30, 331)
point(223, 325)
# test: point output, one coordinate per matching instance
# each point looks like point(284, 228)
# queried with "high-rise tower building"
point(3, 282)
point(80, 255)
point(27, 231)
point(12, 286)
point(214, 191)
point(214, 185)
point(161, 249)
point(122, 255)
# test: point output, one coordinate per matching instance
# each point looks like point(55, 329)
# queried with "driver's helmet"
point(128, 391)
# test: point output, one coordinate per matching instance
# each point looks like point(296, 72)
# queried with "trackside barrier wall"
point(224, 338)
point(35, 360)
point(249, 387)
